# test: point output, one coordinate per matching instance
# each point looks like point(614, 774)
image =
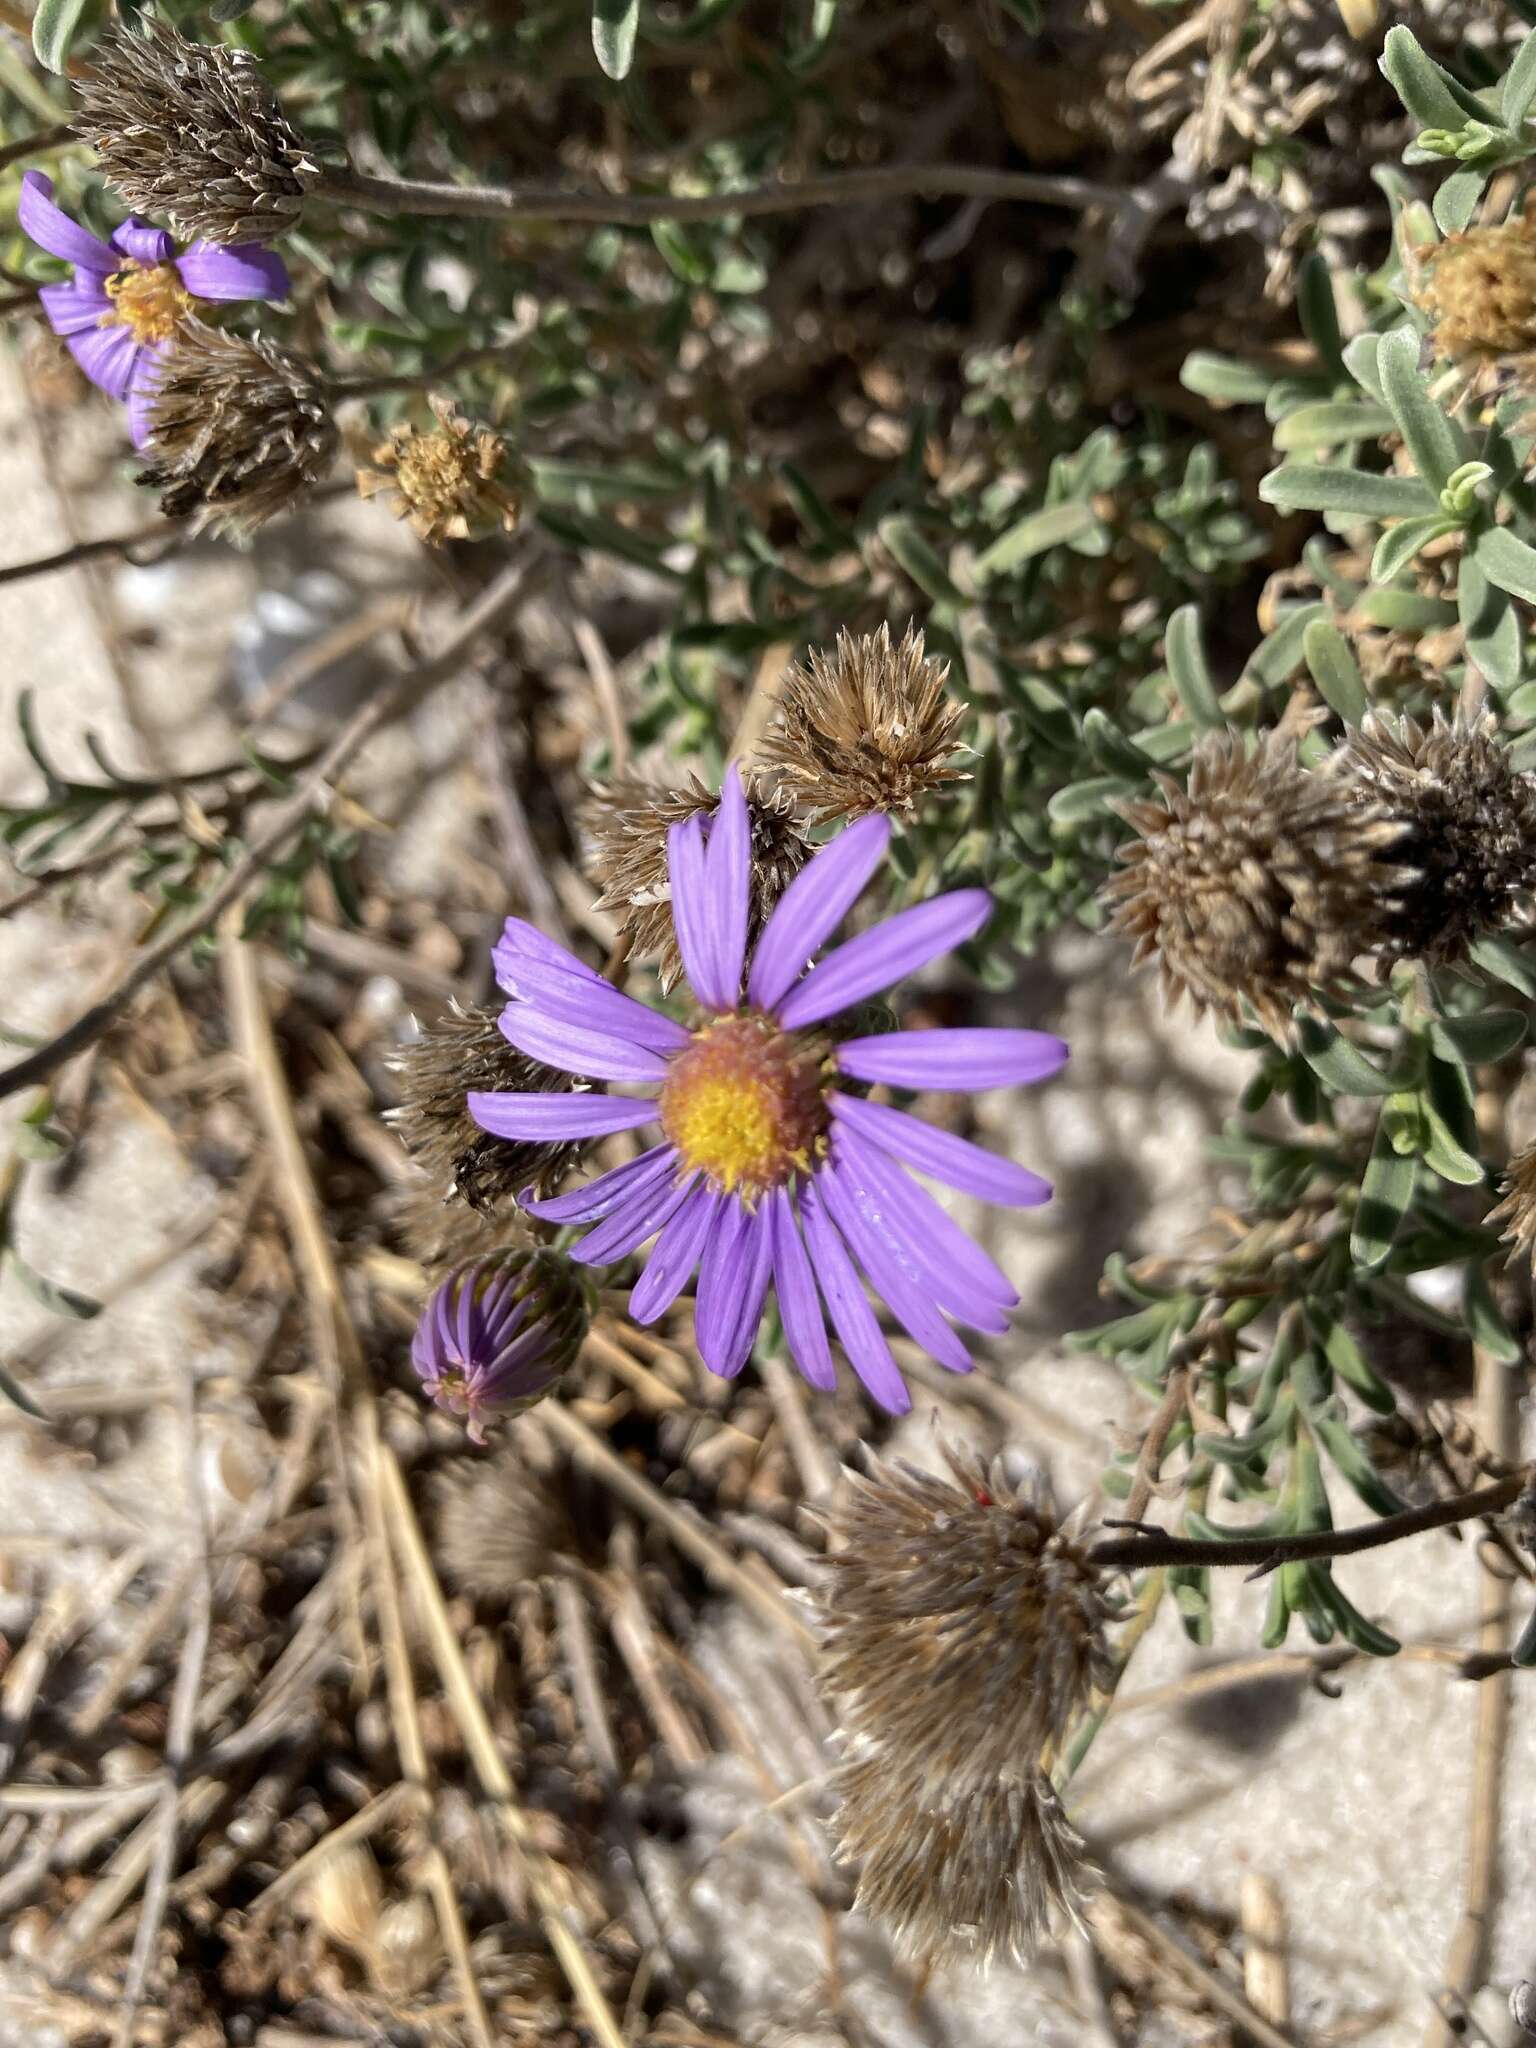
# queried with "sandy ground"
point(1357, 1808)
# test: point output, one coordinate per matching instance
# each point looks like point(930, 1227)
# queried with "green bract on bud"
point(190, 132)
point(497, 1335)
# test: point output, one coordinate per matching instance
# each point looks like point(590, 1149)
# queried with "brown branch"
point(529, 204)
point(56, 137)
point(1150, 1547)
point(496, 601)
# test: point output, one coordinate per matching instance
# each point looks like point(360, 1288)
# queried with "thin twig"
point(1155, 1547)
point(1150, 1458)
point(1182, 1958)
point(59, 136)
point(529, 204)
point(496, 602)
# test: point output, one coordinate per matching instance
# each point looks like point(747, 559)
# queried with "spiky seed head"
point(190, 132)
point(240, 432)
point(626, 823)
point(1515, 1214)
point(503, 1522)
point(465, 1050)
point(1468, 831)
point(450, 482)
point(439, 1229)
point(1479, 288)
point(868, 727)
point(498, 1333)
point(1259, 884)
point(963, 1631)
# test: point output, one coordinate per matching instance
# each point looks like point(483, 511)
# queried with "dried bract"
point(1479, 288)
point(627, 822)
point(191, 132)
point(869, 727)
point(1516, 1212)
point(963, 1633)
point(447, 481)
point(240, 432)
point(1257, 885)
point(465, 1050)
point(503, 1522)
point(1468, 831)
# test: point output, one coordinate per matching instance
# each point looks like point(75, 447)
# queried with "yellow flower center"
point(149, 299)
point(744, 1105)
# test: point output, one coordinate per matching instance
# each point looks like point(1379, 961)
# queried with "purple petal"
point(54, 231)
point(141, 394)
point(728, 881)
point(693, 915)
point(875, 959)
point(141, 243)
point(73, 307)
point(109, 356)
point(960, 1276)
point(800, 1311)
point(507, 1114)
point(852, 1316)
point(674, 1255)
point(523, 944)
point(243, 271)
point(955, 1161)
point(813, 906)
point(738, 1256)
point(881, 1250)
point(636, 1218)
point(594, 1006)
point(570, 1050)
point(955, 1060)
point(600, 1197)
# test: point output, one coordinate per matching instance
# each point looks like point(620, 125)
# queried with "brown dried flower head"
point(191, 132)
point(963, 1633)
point(1468, 831)
point(1479, 287)
point(1259, 884)
point(503, 1522)
point(465, 1050)
point(240, 432)
point(448, 481)
point(1516, 1213)
point(869, 727)
point(626, 824)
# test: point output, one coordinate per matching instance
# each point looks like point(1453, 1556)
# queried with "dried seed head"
point(346, 1896)
point(240, 432)
point(448, 481)
point(439, 1229)
point(465, 1050)
point(627, 823)
point(1468, 831)
point(190, 131)
point(1517, 1211)
point(1479, 288)
point(869, 727)
point(503, 1522)
point(1259, 884)
point(496, 1335)
point(963, 1633)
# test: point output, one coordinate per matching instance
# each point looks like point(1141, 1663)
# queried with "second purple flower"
point(768, 1171)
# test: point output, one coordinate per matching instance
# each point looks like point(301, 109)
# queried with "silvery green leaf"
point(1087, 799)
point(1490, 623)
point(1485, 1319)
point(1430, 94)
point(1185, 656)
point(1456, 200)
point(1399, 544)
point(1437, 446)
point(614, 23)
point(1360, 361)
point(55, 26)
point(1048, 527)
point(1507, 561)
point(905, 543)
point(1318, 313)
point(1499, 956)
point(1330, 424)
point(1280, 653)
point(1312, 487)
point(1479, 1040)
point(59, 1301)
point(1519, 87)
point(1342, 1065)
point(1386, 1193)
point(1335, 671)
point(1224, 379)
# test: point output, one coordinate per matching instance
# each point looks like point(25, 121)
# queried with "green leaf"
point(1318, 312)
point(1386, 1193)
point(1352, 1624)
point(1190, 1586)
point(1456, 200)
point(1399, 544)
point(1224, 379)
point(1185, 656)
point(1433, 442)
point(1335, 672)
point(59, 1301)
point(13, 1391)
point(1479, 1040)
point(1507, 561)
point(1500, 957)
point(1428, 93)
point(1343, 1066)
point(1312, 487)
point(1353, 1367)
point(1046, 528)
point(905, 543)
point(614, 23)
point(1519, 87)
point(55, 25)
point(1484, 1318)
point(1091, 798)
point(1329, 424)
point(1491, 625)
point(1446, 1103)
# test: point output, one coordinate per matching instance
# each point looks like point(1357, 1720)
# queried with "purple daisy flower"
point(769, 1172)
point(498, 1333)
point(118, 314)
